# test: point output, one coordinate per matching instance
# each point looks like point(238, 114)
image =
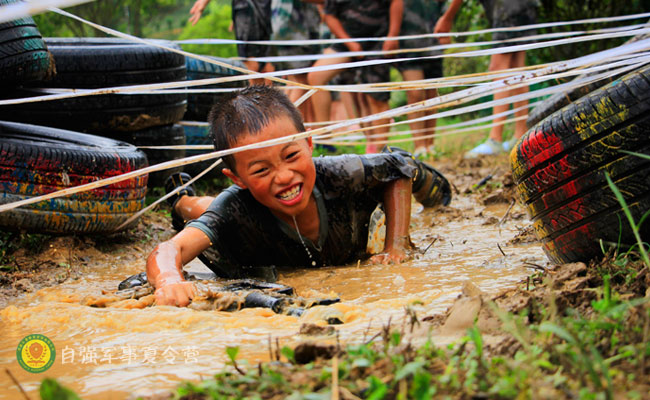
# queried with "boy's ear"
point(233, 177)
point(310, 143)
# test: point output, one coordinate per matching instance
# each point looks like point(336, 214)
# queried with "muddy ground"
point(36, 261)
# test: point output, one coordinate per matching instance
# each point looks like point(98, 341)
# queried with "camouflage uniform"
point(364, 18)
point(420, 17)
point(507, 13)
point(252, 21)
point(295, 20)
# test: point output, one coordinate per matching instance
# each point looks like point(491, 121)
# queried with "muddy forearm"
point(164, 265)
point(397, 205)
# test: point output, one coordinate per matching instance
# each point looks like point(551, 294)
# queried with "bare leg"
point(306, 107)
point(518, 61)
point(499, 62)
point(430, 124)
point(376, 107)
point(322, 99)
point(415, 96)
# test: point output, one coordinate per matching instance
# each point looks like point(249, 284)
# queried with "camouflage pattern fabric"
point(295, 20)
point(252, 21)
point(507, 13)
point(420, 17)
point(364, 18)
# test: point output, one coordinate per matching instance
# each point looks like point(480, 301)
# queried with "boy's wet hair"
point(248, 111)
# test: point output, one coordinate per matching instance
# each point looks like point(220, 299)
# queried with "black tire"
point(559, 167)
point(23, 55)
point(199, 105)
point(36, 160)
point(168, 135)
point(559, 100)
point(200, 135)
point(104, 62)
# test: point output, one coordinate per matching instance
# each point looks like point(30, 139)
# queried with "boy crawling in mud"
point(286, 208)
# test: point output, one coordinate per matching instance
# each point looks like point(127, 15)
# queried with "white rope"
point(527, 77)
point(10, 12)
point(168, 195)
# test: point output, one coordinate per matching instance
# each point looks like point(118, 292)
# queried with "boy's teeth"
point(290, 194)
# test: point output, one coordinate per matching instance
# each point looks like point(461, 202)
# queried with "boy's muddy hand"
point(197, 10)
point(394, 256)
point(175, 294)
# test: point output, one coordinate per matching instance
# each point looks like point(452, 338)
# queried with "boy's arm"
point(336, 27)
point(446, 21)
point(165, 263)
point(394, 25)
point(197, 10)
point(397, 206)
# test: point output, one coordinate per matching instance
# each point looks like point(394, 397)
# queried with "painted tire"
point(36, 160)
point(559, 100)
point(23, 55)
point(168, 135)
point(99, 63)
point(559, 167)
point(199, 105)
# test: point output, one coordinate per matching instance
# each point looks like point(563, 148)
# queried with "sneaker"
point(172, 182)
point(509, 144)
point(430, 187)
point(488, 148)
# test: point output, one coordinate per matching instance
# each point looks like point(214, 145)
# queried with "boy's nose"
point(284, 176)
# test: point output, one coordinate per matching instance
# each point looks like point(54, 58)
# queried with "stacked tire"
point(95, 63)
point(560, 168)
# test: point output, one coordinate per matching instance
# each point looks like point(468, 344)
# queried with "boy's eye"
point(292, 154)
point(259, 171)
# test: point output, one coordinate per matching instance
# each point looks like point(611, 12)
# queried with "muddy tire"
point(23, 55)
point(92, 63)
point(559, 100)
point(559, 167)
point(199, 105)
point(36, 160)
point(168, 135)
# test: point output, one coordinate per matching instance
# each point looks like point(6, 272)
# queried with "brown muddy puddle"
point(105, 353)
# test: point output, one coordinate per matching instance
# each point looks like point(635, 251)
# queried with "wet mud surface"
point(481, 241)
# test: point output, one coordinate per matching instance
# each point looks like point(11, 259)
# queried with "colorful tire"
point(168, 135)
point(36, 160)
point(559, 167)
point(23, 55)
point(92, 63)
point(199, 105)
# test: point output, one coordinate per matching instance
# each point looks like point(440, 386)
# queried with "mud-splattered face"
point(280, 177)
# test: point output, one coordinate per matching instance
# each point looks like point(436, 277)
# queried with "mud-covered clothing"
point(363, 19)
point(295, 20)
point(507, 13)
point(251, 22)
point(420, 17)
point(347, 190)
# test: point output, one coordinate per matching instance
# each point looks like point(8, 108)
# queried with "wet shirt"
point(361, 18)
point(347, 190)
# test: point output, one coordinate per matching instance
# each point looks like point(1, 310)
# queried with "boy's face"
point(280, 177)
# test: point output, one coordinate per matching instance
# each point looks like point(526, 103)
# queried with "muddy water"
point(116, 353)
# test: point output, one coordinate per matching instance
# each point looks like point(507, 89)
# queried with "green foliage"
point(53, 390)
point(214, 23)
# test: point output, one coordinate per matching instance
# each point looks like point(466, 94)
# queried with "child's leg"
point(499, 62)
point(518, 61)
point(322, 99)
point(430, 124)
point(294, 94)
point(415, 96)
point(377, 106)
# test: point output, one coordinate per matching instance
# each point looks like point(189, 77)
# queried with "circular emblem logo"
point(35, 353)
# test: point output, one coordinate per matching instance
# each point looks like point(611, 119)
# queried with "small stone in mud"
point(316, 330)
point(307, 352)
point(496, 198)
point(24, 285)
